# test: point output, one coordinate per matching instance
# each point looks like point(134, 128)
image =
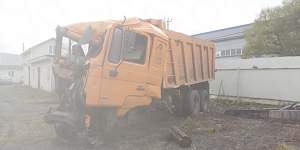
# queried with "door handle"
point(140, 88)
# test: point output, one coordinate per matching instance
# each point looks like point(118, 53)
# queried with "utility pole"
point(168, 21)
point(23, 46)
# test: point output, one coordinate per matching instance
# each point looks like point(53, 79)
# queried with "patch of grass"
point(188, 124)
point(194, 126)
point(283, 146)
point(242, 103)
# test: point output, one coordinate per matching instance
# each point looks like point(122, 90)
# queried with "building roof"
point(225, 34)
point(7, 59)
point(29, 49)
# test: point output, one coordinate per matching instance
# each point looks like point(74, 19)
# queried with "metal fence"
point(265, 78)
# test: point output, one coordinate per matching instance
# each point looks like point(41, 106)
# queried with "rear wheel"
point(179, 107)
point(204, 100)
point(193, 103)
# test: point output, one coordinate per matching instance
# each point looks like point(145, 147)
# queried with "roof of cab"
point(101, 26)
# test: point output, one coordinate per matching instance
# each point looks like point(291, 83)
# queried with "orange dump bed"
point(190, 60)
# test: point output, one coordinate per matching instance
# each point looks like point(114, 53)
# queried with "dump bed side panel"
point(189, 61)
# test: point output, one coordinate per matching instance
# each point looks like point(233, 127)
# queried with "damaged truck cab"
point(121, 74)
point(124, 75)
point(116, 66)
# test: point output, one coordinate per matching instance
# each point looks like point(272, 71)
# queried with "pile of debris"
point(286, 113)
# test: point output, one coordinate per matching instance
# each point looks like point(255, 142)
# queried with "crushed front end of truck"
point(73, 52)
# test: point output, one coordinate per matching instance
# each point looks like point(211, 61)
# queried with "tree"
point(275, 31)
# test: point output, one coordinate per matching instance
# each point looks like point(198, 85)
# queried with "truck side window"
point(116, 46)
point(135, 46)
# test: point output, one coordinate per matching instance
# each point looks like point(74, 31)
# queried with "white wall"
point(39, 50)
point(231, 44)
point(46, 77)
point(39, 56)
point(268, 78)
point(17, 74)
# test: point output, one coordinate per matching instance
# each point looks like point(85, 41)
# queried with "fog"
point(33, 21)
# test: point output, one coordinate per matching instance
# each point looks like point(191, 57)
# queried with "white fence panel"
point(267, 78)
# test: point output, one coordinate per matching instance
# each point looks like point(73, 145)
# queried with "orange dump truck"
point(105, 69)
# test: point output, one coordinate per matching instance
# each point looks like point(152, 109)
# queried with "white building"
point(11, 67)
point(264, 80)
point(38, 65)
point(230, 42)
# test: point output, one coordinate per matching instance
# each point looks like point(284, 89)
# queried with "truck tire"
point(204, 100)
point(193, 103)
point(174, 105)
point(65, 132)
point(179, 106)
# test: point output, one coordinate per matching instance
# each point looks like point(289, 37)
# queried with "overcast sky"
point(33, 21)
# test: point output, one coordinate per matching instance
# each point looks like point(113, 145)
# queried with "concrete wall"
point(267, 78)
point(15, 74)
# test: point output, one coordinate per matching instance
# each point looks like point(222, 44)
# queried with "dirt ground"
point(22, 127)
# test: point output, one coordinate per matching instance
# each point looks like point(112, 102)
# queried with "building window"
point(11, 73)
point(239, 51)
point(233, 52)
point(218, 54)
point(223, 53)
point(227, 53)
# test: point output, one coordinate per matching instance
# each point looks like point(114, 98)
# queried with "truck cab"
point(115, 66)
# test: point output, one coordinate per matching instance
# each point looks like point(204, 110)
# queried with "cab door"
point(125, 69)
point(156, 67)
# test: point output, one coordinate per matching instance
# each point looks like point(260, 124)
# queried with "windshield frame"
point(62, 33)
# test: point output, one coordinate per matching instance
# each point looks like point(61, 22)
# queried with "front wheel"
point(65, 131)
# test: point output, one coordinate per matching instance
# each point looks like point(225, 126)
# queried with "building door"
point(39, 77)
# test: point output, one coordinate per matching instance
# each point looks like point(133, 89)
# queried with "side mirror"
point(114, 72)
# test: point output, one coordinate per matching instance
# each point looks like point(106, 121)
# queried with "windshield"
point(91, 49)
point(69, 45)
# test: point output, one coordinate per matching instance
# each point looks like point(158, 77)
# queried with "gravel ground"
point(22, 127)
